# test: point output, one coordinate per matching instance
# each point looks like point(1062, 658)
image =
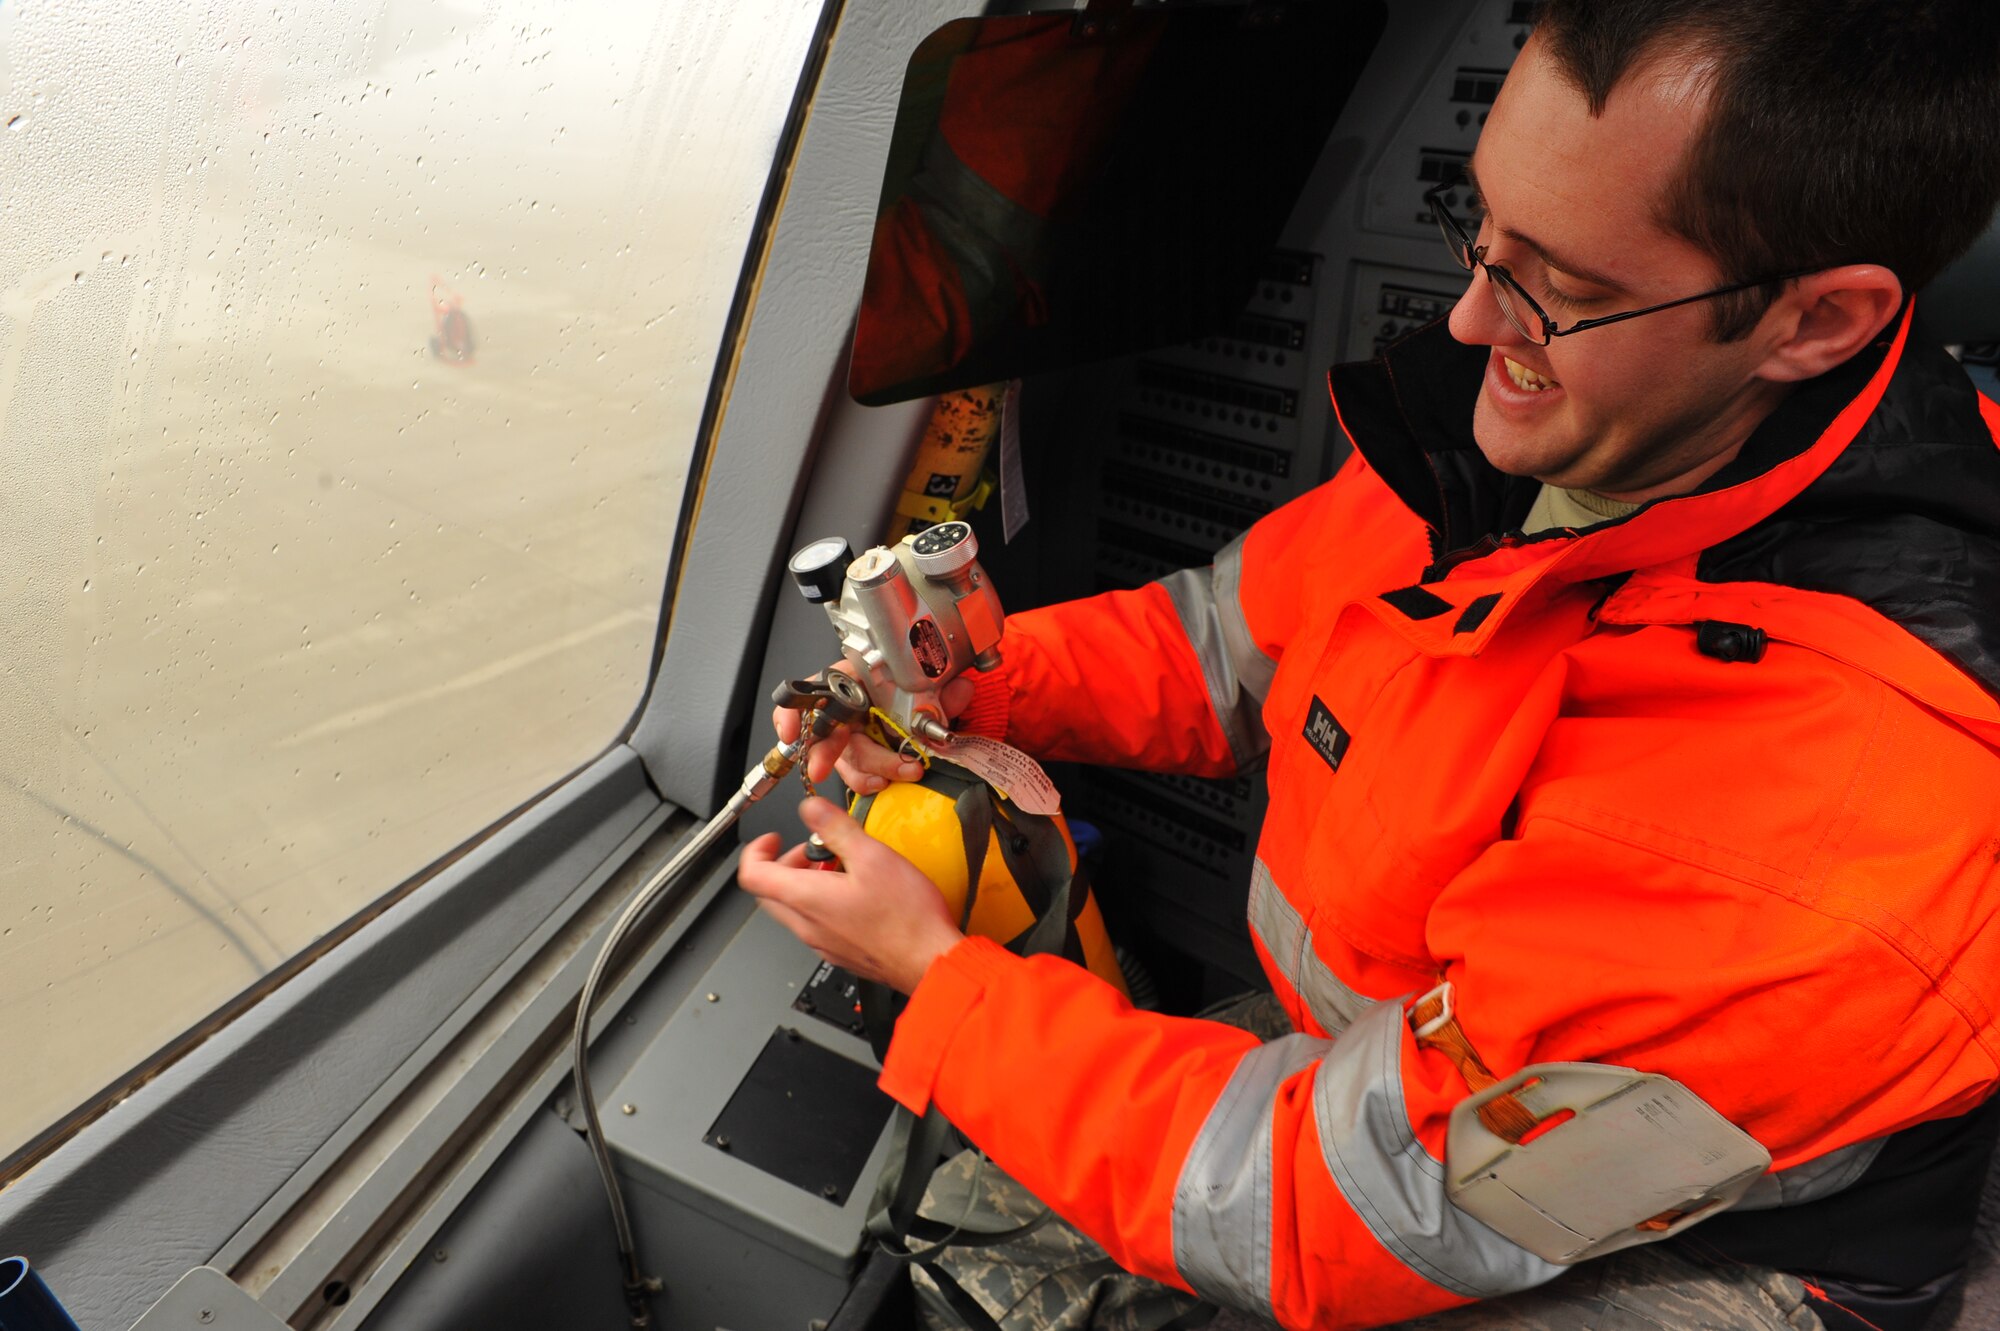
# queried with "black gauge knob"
point(944, 549)
point(820, 569)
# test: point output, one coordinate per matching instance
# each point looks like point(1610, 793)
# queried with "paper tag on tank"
point(1007, 769)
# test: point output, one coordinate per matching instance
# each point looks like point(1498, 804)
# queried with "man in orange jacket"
point(1631, 704)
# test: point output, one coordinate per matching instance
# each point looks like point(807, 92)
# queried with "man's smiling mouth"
point(1525, 378)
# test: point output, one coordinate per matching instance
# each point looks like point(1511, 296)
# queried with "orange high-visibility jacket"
point(1518, 764)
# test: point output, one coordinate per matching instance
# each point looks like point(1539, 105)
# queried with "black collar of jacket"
point(1902, 513)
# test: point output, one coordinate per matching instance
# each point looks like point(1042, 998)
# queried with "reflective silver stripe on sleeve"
point(1253, 668)
point(1392, 1182)
point(1289, 942)
point(1836, 1171)
point(1222, 1203)
point(1234, 668)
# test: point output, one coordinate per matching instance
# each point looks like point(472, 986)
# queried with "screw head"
point(207, 1316)
point(628, 1109)
point(714, 998)
point(439, 1255)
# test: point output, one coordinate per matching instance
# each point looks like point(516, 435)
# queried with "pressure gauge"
point(820, 569)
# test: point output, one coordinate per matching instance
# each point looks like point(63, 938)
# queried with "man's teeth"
point(1525, 378)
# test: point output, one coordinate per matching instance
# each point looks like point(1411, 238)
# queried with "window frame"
point(280, 1083)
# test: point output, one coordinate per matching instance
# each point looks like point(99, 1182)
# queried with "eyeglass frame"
point(1471, 256)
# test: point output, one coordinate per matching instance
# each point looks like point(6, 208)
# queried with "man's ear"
point(1825, 318)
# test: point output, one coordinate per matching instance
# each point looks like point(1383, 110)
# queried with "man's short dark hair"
point(1838, 131)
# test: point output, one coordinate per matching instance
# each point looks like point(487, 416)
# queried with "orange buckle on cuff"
point(1434, 1021)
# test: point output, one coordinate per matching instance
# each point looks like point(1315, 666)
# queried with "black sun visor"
point(1065, 187)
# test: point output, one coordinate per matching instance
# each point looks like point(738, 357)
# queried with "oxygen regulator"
point(911, 618)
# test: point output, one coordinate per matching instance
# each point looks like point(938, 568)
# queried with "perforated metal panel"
point(1203, 440)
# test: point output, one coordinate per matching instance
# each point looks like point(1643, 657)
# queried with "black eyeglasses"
point(1522, 311)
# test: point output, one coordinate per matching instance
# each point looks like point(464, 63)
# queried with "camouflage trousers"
point(1055, 1279)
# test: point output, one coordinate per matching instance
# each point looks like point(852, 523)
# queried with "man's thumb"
point(842, 835)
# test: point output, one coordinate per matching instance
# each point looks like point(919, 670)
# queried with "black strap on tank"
point(974, 807)
point(1038, 858)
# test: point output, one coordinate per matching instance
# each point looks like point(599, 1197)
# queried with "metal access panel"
point(1389, 302)
point(804, 1114)
point(206, 1300)
point(750, 1134)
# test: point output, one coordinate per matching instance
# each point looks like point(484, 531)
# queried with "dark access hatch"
point(804, 1114)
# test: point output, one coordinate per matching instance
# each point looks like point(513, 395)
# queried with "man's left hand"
point(878, 916)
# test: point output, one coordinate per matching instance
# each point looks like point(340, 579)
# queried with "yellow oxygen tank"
point(925, 822)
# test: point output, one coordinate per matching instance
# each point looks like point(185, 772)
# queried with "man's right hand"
point(863, 764)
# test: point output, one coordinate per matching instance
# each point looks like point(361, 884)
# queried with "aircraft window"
point(351, 358)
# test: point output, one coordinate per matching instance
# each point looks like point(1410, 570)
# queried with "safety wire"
point(640, 1287)
point(907, 745)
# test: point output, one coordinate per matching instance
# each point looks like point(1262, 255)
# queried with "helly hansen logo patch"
point(1328, 738)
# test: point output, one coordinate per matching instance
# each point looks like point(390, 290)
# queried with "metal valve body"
point(914, 617)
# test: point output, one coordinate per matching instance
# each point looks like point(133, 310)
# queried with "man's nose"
point(1476, 319)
